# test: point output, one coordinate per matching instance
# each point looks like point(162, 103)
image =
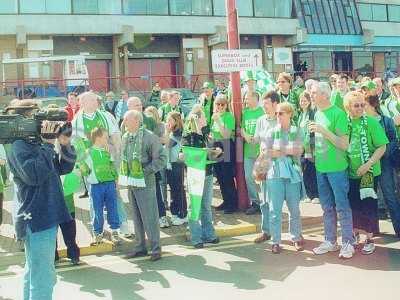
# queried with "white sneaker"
point(326, 247)
point(369, 247)
point(115, 237)
point(176, 221)
point(307, 200)
point(164, 222)
point(315, 201)
point(124, 229)
point(347, 251)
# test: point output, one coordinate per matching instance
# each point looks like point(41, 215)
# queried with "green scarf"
point(277, 140)
point(131, 170)
point(367, 180)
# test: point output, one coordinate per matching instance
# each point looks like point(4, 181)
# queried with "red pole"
point(233, 43)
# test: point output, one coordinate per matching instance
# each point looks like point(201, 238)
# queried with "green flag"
point(264, 81)
point(196, 160)
point(71, 183)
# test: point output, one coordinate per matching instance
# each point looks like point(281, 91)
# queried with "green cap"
point(394, 81)
point(208, 85)
point(369, 85)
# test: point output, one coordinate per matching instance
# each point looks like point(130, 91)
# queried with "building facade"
point(166, 39)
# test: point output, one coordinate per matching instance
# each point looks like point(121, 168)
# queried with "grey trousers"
point(145, 218)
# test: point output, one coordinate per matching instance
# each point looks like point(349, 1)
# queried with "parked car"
point(45, 102)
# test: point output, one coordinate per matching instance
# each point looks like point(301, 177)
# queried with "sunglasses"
point(359, 105)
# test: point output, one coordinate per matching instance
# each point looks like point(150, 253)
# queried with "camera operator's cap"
point(394, 81)
point(207, 85)
point(369, 85)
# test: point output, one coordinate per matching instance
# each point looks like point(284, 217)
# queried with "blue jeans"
point(279, 190)
point(252, 188)
point(264, 207)
point(40, 273)
point(104, 194)
point(333, 191)
point(388, 187)
point(203, 230)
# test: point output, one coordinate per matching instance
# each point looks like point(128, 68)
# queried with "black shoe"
point(135, 254)
point(155, 256)
point(199, 246)
point(85, 195)
point(229, 211)
point(252, 210)
point(214, 241)
point(75, 261)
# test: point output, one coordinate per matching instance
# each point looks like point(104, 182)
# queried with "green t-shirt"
point(228, 120)
point(328, 158)
point(376, 138)
point(100, 166)
point(249, 122)
point(337, 99)
point(166, 109)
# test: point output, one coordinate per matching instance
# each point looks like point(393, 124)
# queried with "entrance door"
point(343, 62)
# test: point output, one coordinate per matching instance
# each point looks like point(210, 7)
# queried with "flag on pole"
point(196, 160)
point(264, 81)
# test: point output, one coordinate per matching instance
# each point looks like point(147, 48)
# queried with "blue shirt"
point(40, 200)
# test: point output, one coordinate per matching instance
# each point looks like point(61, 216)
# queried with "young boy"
point(102, 176)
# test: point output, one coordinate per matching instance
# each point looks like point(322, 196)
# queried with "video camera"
point(15, 125)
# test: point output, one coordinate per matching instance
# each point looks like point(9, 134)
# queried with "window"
point(363, 62)
point(245, 8)
point(365, 11)
point(391, 61)
point(148, 7)
point(191, 7)
point(273, 8)
point(181, 7)
point(283, 8)
point(32, 6)
point(112, 7)
point(85, 6)
point(201, 7)
point(379, 12)
point(322, 61)
point(8, 6)
point(219, 8)
point(58, 6)
point(97, 6)
point(394, 13)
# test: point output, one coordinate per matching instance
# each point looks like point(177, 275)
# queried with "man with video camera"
point(36, 168)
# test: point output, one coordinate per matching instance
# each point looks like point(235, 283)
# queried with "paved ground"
point(234, 269)
point(227, 225)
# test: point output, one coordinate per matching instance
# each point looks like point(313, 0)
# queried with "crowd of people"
point(333, 143)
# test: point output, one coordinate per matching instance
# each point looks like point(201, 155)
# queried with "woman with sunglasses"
point(367, 145)
point(222, 135)
point(284, 182)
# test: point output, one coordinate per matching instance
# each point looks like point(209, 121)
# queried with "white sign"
point(283, 56)
point(193, 43)
point(225, 61)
